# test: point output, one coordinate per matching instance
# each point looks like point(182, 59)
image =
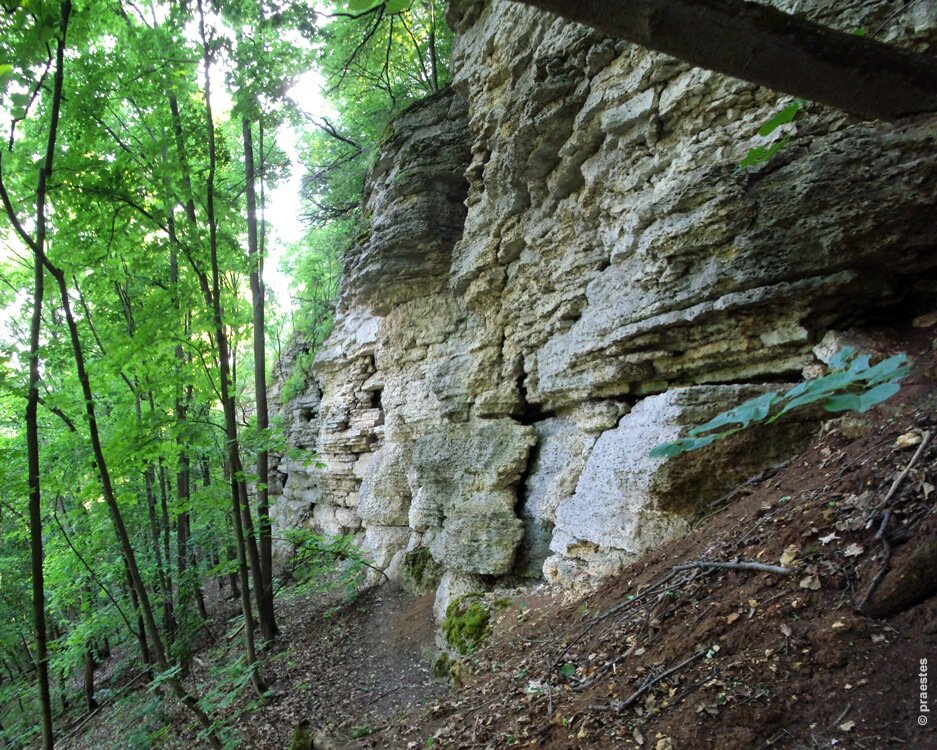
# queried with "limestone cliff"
point(566, 266)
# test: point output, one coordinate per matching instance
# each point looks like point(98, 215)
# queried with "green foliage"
point(762, 154)
point(853, 384)
point(466, 624)
point(325, 564)
point(440, 666)
point(375, 65)
point(302, 738)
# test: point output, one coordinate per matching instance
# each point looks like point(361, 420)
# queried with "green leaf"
point(891, 369)
point(397, 6)
point(762, 154)
point(843, 402)
point(783, 117)
point(864, 401)
point(360, 6)
point(685, 445)
point(753, 410)
point(860, 364)
point(839, 360)
point(5, 70)
point(568, 670)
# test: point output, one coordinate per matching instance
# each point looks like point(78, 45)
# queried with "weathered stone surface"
point(557, 247)
point(563, 447)
point(626, 502)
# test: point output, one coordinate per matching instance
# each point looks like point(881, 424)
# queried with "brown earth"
point(660, 657)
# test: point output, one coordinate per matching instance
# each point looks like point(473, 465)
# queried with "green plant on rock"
point(420, 571)
point(761, 154)
point(441, 664)
point(853, 384)
point(466, 624)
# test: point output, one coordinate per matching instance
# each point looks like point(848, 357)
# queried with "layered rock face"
point(566, 266)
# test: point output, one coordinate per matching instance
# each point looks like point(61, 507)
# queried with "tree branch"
point(766, 46)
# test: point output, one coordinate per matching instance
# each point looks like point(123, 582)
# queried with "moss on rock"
point(421, 573)
point(466, 623)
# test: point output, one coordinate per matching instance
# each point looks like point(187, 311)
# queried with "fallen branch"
point(900, 478)
point(123, 691)
point(755, 566)
point(882, 536)
point(648, 684)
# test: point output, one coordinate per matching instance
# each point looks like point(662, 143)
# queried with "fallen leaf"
point(927, 488)
point(786, 630)
point(732, 618)
point(664, 743)
point(853, 550)
point(908, 440)
point(847, 726)
point(877, 638)
point(828, 538)
point(638, 737)
point(789, 555)
point(838, 625)
point(753, 603)
point(811, 582)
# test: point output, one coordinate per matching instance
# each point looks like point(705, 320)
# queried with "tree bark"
point(267, 615)
point(34, 484)
point(224, 375)
point(764, 45)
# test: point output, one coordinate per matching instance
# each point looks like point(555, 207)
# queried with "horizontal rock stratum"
point(566, 265)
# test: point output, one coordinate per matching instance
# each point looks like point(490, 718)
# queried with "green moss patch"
point(466, 623)
point(421, 573)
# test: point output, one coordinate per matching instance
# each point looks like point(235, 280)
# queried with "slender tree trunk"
point(142, 641)
point(110, 500)
point(37, 245)
point(267, 616)
point(772, 48)
point(35, 512)
point(227, 399)
point(433, 61)
point(88, 681)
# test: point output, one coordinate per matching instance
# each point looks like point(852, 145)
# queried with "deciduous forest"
point(140, 150)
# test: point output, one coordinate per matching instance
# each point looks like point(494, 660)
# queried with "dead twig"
point(882, 536)
point(648, 684)
point(741, 565)
point(614, 611)
point(842, 716)
point(900, 478)
point(123, 691)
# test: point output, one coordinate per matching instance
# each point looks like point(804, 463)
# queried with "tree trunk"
point(764, 45)
point(267, 616)
point(37, 245)
point(35, 512)
point(88, 681)
point(227, 398)
point(110, 499)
